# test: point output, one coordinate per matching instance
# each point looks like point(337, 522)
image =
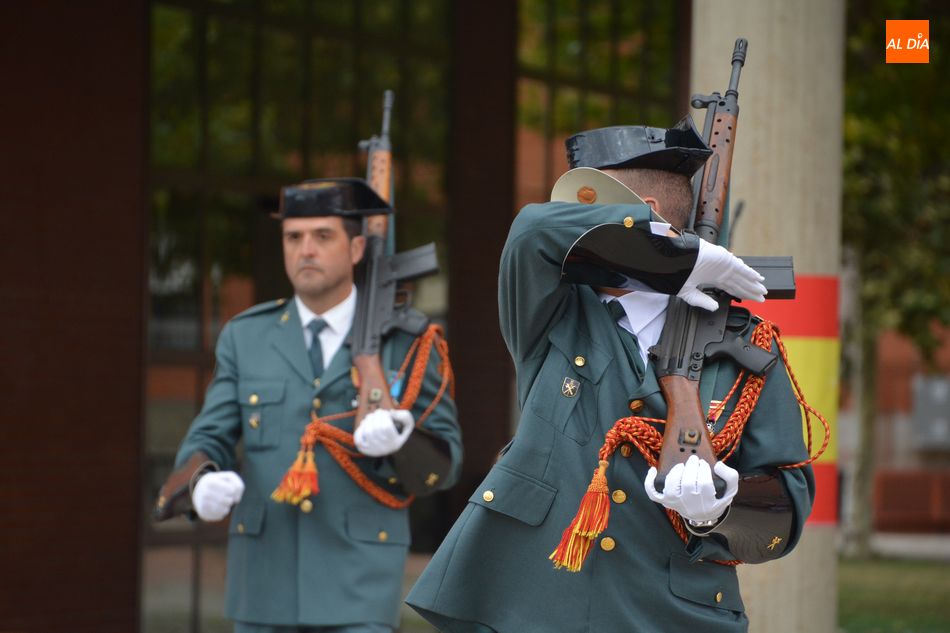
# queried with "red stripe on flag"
point(825, 509)
point(813, 311)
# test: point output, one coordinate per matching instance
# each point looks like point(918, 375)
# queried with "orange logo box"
point(907, 42)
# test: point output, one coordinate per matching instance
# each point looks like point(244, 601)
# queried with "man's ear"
point(357, 248)
point(654, 204)
point(658, 210)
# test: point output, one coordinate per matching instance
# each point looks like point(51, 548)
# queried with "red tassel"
point(590, 520)
point(300, 480)
point(311, 481)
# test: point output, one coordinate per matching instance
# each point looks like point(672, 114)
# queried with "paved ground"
point(916, 546)
point(166, 599)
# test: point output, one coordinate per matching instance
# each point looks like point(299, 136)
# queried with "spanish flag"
point(809, 327)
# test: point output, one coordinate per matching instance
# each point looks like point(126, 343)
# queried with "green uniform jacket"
point(343, 561)
point(493, 567)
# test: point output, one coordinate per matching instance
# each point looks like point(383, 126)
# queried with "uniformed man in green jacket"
point(330, 556)
point(580, 353)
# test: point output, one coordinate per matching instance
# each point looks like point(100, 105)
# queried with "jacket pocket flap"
point(575, 345)
point(247, 519)
point(377, 525)
point(260, 391)
point(513, 494)
point(705, 583)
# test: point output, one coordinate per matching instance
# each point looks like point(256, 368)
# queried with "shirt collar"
point(339, 318)
point(641, 307)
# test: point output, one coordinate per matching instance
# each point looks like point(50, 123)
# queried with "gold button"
point(284, 317)
point(628, 222)
point(432, 479)
point(719, 597)
point(383, 536)
point(607, 543)
point(253, 399)
point(636, 405)
point(488, 495)
point(240, 528)
point(255, 421)
point(316, 383)
point(281, 302)
point(626, 450)
point(317, 403)
point(306, 505)
point(619, 496)
point(580, 361)
point(393, 480)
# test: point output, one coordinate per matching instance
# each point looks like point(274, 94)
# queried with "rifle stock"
point(683, 408)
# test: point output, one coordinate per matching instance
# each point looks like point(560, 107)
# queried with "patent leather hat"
point(679, 149)
point(347, 197)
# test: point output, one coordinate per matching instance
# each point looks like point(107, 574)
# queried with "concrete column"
point(787, 171)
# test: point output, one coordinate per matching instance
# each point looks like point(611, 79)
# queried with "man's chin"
point(308, 290)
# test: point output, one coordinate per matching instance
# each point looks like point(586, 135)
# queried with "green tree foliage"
point(591, 63)
point(896, 219)
point(896, 214)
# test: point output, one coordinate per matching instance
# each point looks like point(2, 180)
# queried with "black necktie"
point(629, 339)
point(316, 350)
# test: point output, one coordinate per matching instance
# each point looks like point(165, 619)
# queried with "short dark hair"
point(672, 190)
point(353, 226)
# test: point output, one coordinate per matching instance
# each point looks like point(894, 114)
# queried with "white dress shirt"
point(646, 310)
point(339, 319)
point(646, 315)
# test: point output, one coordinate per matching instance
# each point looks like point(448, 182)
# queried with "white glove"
point(377, 434)
point(215, 493)
point(689, 489)
point(715, 266)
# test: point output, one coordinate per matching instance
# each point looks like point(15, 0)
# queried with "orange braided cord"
point(339, 444)
point(301, 479)
point(344, 459)
point(448, 382)
point(807, 408)
point(416, 376)
point(639, 432)
point(431, 337)
point(445, 368)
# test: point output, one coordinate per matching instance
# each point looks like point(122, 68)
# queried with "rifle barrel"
point(738, 61)
point(387, 112)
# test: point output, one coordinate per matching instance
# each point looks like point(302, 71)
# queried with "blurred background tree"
point(896, 212)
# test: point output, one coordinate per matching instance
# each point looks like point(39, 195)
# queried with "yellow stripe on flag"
point(815, 364)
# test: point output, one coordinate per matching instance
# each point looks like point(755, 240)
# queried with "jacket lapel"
point(287, 338)
point(339, 365)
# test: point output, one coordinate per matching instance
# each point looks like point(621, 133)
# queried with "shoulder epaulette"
point(408, 320)
point(262, 308)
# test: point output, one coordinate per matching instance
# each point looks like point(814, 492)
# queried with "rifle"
point(424, 459)
point(692, 336)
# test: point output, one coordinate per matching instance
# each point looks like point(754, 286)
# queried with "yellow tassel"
point(590, 520)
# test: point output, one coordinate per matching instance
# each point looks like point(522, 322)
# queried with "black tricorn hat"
point(679, 149)
point(347, 197)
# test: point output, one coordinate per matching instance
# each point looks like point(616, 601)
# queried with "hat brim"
point(592, 186)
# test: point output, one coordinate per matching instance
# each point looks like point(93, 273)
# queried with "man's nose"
point(309, 246)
